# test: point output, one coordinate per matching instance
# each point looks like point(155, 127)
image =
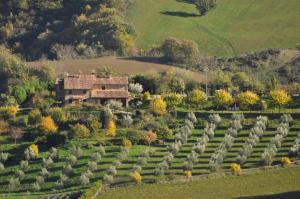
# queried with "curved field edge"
point(123, 66)
point(234, 27)
point(275, 183)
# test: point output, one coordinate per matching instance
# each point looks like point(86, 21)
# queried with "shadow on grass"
point(179, 14)
point(155, 60)
point(287, 195)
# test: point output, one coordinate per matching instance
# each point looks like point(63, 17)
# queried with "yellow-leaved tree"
point(247, 99)
point(48, 125)
point(197, 97)
point(159, 106)
point(280, 97)
point(136, 177)
point(172, 99)
point(111, 128)
point(223, 98)
point(35, 149)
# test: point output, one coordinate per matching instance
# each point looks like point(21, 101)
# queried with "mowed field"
point(273, 184)
point(234, 27)
point(122, 66)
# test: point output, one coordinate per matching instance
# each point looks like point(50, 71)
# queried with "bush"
point(72, 160)
point(136, 177)
point(14, 184)
point(93, 165)
point(108, 178)
point(56, 139)
point(58, 114)
point(68, 169)
point(47, 125)
point(126, 143)
point(235, 169)
point(84, 180)
point(159, 106)
point(285, 161)
point(24, 166)
point(20, 94)
point(79, 131)
point(34, 117)
point(3, 157)
point(179, 51)
point(196, 98)
point(20, 174)
point(111, 129)
point(76, 151)
point(134, 136)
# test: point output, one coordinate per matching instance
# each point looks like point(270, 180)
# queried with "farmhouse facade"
point(75, 89)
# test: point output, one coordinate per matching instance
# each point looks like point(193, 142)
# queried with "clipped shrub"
point(112, 171)
point(72, 160)
point(108, 179)
point(134, 136)
point(126, 143)
point(76, 151)
point(235, 169)
point(92, 165)
point(96, 157)
point(79, 131)
point(188, 174)
point(68, 169)
point(24, 166)
point(3, 157)
point(48, 125)
point(111, 129)
point(285, 161)
point(36, 186)
point(136, 177)
point(84, 180)
point(20, 174)
point(47, 163)
point(14, 184)
point(100, 149)
point(44, 172)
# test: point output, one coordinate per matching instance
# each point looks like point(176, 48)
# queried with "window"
point(70, 91)
point(70, 101)
point(103, 87)
point(84, 91)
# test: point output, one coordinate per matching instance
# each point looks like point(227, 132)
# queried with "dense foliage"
point(65, 29)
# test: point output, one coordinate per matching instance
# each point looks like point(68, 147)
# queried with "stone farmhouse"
point(75, 89)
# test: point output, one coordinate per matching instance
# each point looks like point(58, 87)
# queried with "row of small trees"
point(142, 160)
point(222, 100)
point(112, 170)
point(219, 155)
point(282, 131)
point(257, 131)
point(180, 139)
point(200, 145)
point(295, 149)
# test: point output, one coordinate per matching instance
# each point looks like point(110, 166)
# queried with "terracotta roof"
point(87, 81)
point(109, 94)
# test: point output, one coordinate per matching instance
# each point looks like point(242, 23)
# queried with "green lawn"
point(235, 26)
point(264, 183)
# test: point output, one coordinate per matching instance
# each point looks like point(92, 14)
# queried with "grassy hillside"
point(235, 26)
point(264, 185)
